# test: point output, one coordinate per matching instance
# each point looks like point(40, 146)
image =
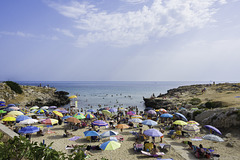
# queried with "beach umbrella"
point(106, 108)
point(101, 109)
point(9, 116)
point(107, 112)
point(180, 122)
point(108, 134)
point(213, 137)
point(28, 129)
point(49, 121)
point(11, 105)
point(166, 115)
point(79, 113)
point(21, 118)
point(100, 123)
point(9, 119)
point(41, 111)
point(2, 111)
point(122, 126)
point(136, 116)
point(8, 109)
point(28, 121)
point(45, 107)
point(153, 133)
point(15, 108)
point(58, 113)
point(73, 96)
point(52, 107)
point(213, 129)
point(72, 120)
point(191, 128)
point(15, 113)
point(161, 110)
point(89, 116)
point(131, 113)
point(1, 102)
point(193, 122)
point(135, 120)
point(110, 145)
point(65, 117)
point(34, 107)
point(181, 116)
point(90, 133)
point(149, 122)
point(151, 112)
point(91, 110)
point(80, 116)
point(113, 110)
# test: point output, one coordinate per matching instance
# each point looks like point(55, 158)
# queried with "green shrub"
point(195, 113)
point(195, 101)
point(215, 104)
point(14, 86)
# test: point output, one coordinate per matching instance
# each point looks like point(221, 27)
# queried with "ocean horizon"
point(92, 94)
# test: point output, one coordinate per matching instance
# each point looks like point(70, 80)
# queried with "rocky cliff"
point(33, 95)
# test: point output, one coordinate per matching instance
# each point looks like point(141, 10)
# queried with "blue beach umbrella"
point(211, 128)
point(100, 123)
point(181, 116)
point(166, 115)
point(11, 105)
point(21, 118)
point(149, 122)
point(90, 133)
point(91, 110)
point(2, 102)
point(66, 117)
point(29, 129)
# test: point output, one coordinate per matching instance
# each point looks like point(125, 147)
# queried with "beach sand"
point(178, 150)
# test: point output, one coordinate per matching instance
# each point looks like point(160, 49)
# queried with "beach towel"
point(156, 155)
point(74, 138)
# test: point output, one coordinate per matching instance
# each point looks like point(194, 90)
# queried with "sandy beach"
point(178, 151)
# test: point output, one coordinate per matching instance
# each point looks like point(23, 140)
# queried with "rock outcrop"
point(33, 95)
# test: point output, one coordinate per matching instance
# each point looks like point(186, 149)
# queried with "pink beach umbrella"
point(131, 113)
point(152, 112)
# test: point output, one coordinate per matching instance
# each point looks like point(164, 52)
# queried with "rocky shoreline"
point(33, 95)
point(214, 104)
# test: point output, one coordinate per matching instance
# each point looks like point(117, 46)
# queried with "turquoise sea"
point(112, 93)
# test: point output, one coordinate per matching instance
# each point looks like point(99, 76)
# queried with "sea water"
point(92, 94)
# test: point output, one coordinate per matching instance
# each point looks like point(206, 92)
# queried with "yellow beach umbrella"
point(58, 113)
point(9, 119)
point(106, 112)
point(16, 113)
point(180, 122)
point(73, 96)
point(136, 116)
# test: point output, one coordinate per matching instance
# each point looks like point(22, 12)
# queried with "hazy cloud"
point(18, 33)
point(160, 19)
point(65, 32)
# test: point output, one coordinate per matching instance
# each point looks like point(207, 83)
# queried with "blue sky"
point(120, 40)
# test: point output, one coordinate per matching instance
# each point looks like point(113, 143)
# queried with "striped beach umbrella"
point(80, 116)
point(89, 116)
point(49, 121)
point(191, 128)
point(193, 122)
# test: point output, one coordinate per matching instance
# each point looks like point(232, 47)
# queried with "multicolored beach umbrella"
point(79, 113)
point(110, 145)
point(49, 121)
point(66, 117)
point(41, 111)
point(136, 116)
point(89, 116)
point(131, 113)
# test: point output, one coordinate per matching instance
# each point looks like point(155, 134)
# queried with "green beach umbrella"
point(79, 116)
point(2, 111)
